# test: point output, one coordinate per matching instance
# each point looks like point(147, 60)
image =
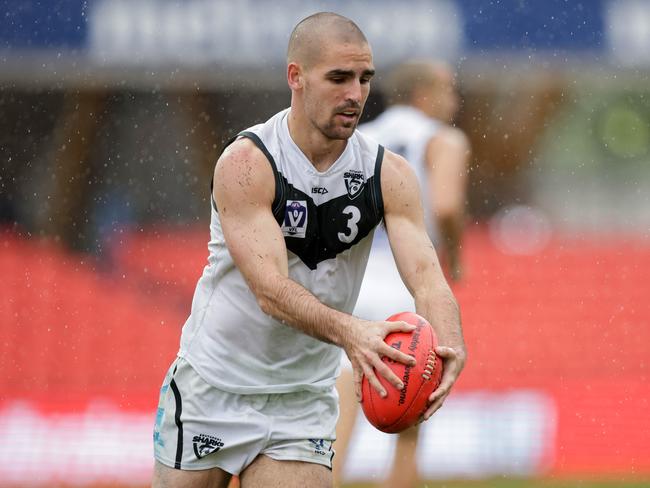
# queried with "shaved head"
point(316, 31)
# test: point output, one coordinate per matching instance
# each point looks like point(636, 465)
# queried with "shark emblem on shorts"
point(206, 444)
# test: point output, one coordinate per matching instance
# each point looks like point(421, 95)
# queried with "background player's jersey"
point(406, 131)
point(328, 220)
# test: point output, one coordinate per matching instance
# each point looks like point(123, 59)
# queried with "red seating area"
point(573, 320)
point(71, 332)
point(577, 310)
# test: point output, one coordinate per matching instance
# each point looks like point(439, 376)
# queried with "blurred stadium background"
point(112, 113)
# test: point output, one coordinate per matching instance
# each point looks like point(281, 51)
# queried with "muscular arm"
point(420, 270)
point(447, 159)
point(244, 192)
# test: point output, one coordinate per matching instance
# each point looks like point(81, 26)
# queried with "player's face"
point(337, 87)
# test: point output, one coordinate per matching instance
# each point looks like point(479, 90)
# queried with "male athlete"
point(422, 101)
point(296, 201)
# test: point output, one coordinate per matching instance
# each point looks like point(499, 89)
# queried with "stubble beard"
point(335, 130)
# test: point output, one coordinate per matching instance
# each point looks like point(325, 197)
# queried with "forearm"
point(439, 306)
point(290, 303)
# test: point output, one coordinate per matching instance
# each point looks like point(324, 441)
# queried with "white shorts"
point(200, 427)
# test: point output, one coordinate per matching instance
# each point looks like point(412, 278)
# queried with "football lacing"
point(430, 367)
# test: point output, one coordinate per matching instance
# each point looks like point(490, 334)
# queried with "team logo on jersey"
point(295, 219)
point(354, 181)
point(205, 444)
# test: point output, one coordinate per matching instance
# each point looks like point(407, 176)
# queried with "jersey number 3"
point(354, 215)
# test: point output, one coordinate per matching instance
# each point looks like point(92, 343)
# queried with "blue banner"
point(44, 24)
point(249, 32)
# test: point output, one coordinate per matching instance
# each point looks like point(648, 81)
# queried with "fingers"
point(383, 369)
point(371, 370)
point(446, 352)
point(433, 408)
point(398, 356)
point(399, 326)
point(448, 378)
point(392, 353)
point(373, 380)
point(438, 397)
point(450, 373)
point(370, 363)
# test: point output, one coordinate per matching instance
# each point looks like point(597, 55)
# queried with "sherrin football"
point(401, 409)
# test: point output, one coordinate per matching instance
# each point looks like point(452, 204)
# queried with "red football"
point(403, 409)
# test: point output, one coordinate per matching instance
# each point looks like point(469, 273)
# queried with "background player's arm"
point(420, 270)
point(448, 156)
point(244, 192)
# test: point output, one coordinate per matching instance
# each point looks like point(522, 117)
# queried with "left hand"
point(453, 360)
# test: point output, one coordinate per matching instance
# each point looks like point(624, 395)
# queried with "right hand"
point(366, 348)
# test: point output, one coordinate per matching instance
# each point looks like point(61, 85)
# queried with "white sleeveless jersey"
point(328, 220)
point(406, 131)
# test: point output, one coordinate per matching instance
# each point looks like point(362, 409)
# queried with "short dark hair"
point(309, 35)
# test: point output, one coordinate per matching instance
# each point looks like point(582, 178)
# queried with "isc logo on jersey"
point(295, 219)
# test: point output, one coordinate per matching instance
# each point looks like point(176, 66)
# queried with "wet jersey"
point(407, 131)
point(327, 220)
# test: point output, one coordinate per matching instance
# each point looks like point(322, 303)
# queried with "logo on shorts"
point(295, 219)
point(157, 439)
point(354, 181)
point(321, 446)
point(206, 444)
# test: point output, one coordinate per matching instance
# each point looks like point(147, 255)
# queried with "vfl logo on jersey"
point(206, 444)
point(354, 181)
point(295, 219)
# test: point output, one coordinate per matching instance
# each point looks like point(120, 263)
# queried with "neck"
point(320, 150)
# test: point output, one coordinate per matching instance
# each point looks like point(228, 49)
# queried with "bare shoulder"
point(242, 157)
point(398, 180)
point(244, 170)
point(395, 169)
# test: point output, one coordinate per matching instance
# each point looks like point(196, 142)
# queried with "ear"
point(294, 76)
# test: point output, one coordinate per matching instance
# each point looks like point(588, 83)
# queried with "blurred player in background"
point(422, 101)
point(295, 204)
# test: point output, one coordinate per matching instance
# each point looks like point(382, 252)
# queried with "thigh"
point(271, 473)
point(199, 427)
point(166, 477)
